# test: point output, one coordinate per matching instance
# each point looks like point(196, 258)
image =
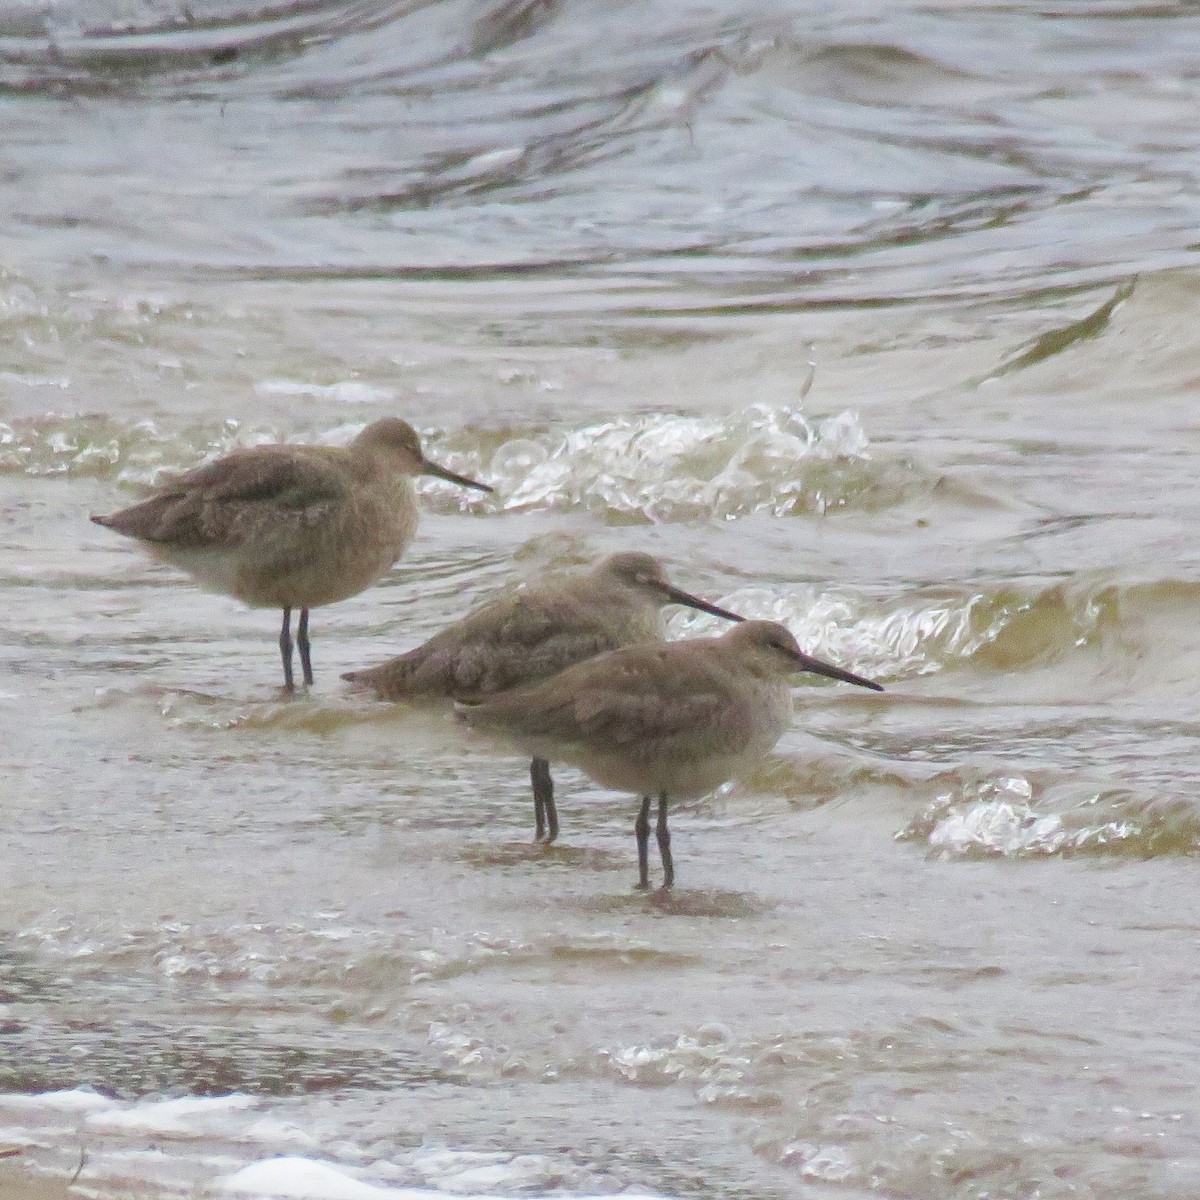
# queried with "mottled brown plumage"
point(670, 720)
point(532, 633)
point(286, 526)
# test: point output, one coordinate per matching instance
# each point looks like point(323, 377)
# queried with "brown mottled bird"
point(535, 632)
point(671, 720)
point(286, 526)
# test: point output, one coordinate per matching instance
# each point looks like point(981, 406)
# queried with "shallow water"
point(876, 321)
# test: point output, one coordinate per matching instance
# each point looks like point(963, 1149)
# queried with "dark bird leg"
point(285, 650)
point(302, 643)
point(544, 812)
point(641, 827)
point(663, 834)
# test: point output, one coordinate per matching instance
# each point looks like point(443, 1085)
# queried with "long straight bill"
point(432, 468)
point(817, 667)
point(679, 596)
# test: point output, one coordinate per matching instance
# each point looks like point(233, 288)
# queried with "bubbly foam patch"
point(653, 467)
point(237, 1146)
point(664, 467)
point(1016, 816)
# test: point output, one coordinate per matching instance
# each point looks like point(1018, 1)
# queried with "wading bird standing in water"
point(532, 633)
point(671, 720)
point(286, 526)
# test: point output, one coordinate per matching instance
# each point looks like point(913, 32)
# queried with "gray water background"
point(877, 319)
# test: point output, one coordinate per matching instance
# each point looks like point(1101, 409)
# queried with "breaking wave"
point(635, 469)
point(1015, 816)
point(1006, 628)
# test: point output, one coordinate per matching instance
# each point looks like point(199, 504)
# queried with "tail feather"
point(159, 519)
point(388, 682)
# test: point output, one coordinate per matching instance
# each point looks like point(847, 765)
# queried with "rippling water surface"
point(878, 320)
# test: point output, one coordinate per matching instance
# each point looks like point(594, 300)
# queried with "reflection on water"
point(878, 321)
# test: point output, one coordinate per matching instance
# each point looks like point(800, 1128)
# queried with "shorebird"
point(286, 526)
point(533, 633)
point(674, 720)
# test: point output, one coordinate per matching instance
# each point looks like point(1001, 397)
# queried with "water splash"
point(244, 1145)
point(1009, 816)
point(138, 455)
point(1002, 628)
point(668, 467)
point(722, 1071)
point(648, 468)
point(877, 638)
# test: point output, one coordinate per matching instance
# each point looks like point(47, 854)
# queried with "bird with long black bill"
point(291, 526)
point(532, 633)
point(669, 721)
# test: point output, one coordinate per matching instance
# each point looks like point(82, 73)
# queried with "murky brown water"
point(946, 942)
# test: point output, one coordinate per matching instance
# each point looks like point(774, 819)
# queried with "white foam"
point(211, 1138)
point(77, 1100)
point(832, 1164)
point(906, 639)
point(666, 467)
point(186, 1117)
point(270, 1131)
point(998, 827)
point(473, 1172)
point(348, 391)
point(516, 1173)
point(308, 1179)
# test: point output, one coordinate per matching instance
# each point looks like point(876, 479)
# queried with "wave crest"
point(1010, 816)
point(1004, 629)
point(648, 468)
point(665, 467)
